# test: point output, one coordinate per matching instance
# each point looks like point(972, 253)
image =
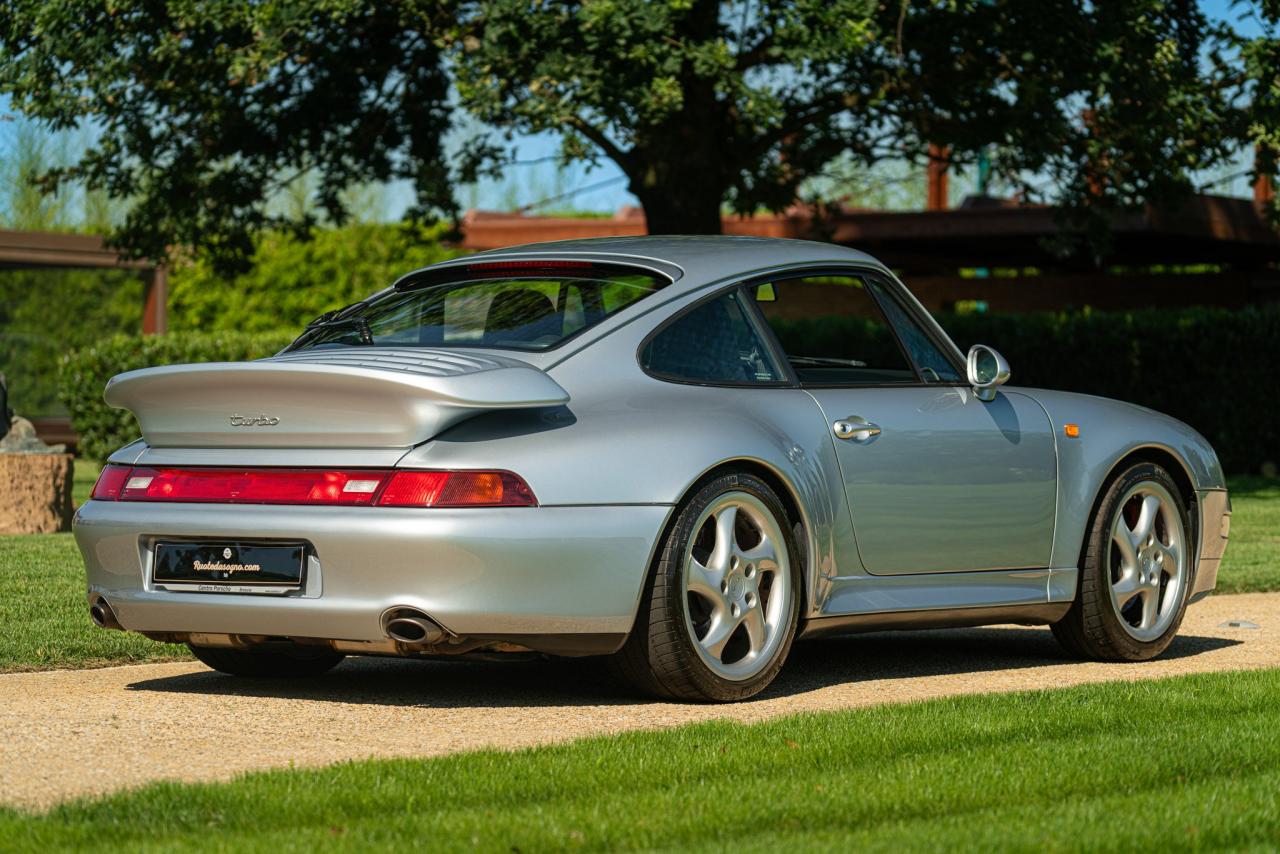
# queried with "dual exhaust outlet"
point(413, 627)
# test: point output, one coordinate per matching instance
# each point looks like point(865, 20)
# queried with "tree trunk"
point(678, 208)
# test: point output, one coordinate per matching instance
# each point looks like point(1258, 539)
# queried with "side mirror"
point(987, 371)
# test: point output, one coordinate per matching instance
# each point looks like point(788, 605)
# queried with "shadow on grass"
point(1253, 486)
point(592, 682)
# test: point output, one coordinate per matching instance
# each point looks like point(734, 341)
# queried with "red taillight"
point(341, 487)
point(457, 489)
point(110, 482)
point(352, 487)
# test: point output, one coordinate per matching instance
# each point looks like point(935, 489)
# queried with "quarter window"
point(934, 366)
point(833, 332)
point(715, 342)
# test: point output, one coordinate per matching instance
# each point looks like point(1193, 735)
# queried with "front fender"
point(1110, 431)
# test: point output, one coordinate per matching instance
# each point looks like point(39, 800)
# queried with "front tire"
point(288, 662)
point(1135, 576)
point(720, 612)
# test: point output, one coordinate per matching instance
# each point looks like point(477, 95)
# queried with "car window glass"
point(715, 342)
point(833, 332)
point(517, 309)
point(934, 366)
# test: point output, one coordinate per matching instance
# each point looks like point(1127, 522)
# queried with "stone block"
point(35, 493)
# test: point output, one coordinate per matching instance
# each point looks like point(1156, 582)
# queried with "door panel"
point(949, 483)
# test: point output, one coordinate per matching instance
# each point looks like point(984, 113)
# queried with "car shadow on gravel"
point(886, 656)
point(591, 682)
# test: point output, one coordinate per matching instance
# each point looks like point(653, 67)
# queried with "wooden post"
point(1264, 191)
point(155, 312)
point(936, 193)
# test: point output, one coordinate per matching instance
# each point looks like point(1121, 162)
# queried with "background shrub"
point(293, 280)
point(1216, 369)
point(84, 373)
point(43, 313)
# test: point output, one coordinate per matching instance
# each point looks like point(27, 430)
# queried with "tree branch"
point(601, 140)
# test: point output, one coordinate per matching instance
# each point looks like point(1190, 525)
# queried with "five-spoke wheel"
point(737, 585)
point(723, 603)
point(1135, 574)
point(1148, 560)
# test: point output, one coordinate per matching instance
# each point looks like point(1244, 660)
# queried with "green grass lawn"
point(1252, 561)
point(82, 478)
point(44, 617)
point(1175, 764)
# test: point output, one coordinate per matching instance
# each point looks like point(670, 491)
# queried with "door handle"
point(853, 427)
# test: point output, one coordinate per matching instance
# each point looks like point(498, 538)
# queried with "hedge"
point(83, 375)
point(1216, 369)
point(43, 313)
point(293, 280)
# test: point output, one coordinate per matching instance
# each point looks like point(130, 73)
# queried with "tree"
point(205, 106)
point(702, 103)
point(1258, 85)
point(203, 110)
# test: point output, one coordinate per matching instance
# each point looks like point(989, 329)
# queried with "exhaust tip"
point(103, 616)
point(407, 630)
point(411, 626)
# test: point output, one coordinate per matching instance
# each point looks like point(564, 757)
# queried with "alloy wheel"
point(1147, 561)
point(737, 585)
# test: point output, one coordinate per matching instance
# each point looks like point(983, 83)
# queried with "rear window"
point(506, 305)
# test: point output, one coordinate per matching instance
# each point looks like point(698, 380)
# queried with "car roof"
point(692, 260)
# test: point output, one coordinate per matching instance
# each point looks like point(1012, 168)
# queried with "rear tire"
point(1136, 572)
point(718, 617)
point(288, 662)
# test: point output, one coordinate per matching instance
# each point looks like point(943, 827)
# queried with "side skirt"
point(938, 600)
point(942, 618)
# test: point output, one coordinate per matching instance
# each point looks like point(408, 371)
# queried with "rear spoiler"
point(296, 401)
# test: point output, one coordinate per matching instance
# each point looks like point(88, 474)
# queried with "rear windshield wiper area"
point(332, 320)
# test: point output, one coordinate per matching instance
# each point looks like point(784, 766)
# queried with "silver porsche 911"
point(684, 453)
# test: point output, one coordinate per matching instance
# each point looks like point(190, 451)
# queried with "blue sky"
point(604, 188)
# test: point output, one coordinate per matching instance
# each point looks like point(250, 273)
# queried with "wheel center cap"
point(737, 587)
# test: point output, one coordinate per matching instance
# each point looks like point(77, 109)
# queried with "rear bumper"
point(480, 572)
point(1215, 529)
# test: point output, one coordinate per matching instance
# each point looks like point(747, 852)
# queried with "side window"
point(716, 342)
point(933, 365)
point(833, 332)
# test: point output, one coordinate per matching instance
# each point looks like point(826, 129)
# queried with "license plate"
point(229, 567)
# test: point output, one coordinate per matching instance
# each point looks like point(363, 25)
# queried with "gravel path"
point(74, 733)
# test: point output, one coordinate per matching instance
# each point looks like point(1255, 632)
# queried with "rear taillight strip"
point(327, 487)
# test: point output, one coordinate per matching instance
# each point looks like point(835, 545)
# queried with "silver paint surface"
point(951, 483)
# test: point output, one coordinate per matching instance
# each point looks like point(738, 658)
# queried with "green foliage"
point(44, 313)
point(205, 110)
point(700, 102)
point(1213, 368)
point(84, 375)
point(294, 280)
point(1258, 50)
